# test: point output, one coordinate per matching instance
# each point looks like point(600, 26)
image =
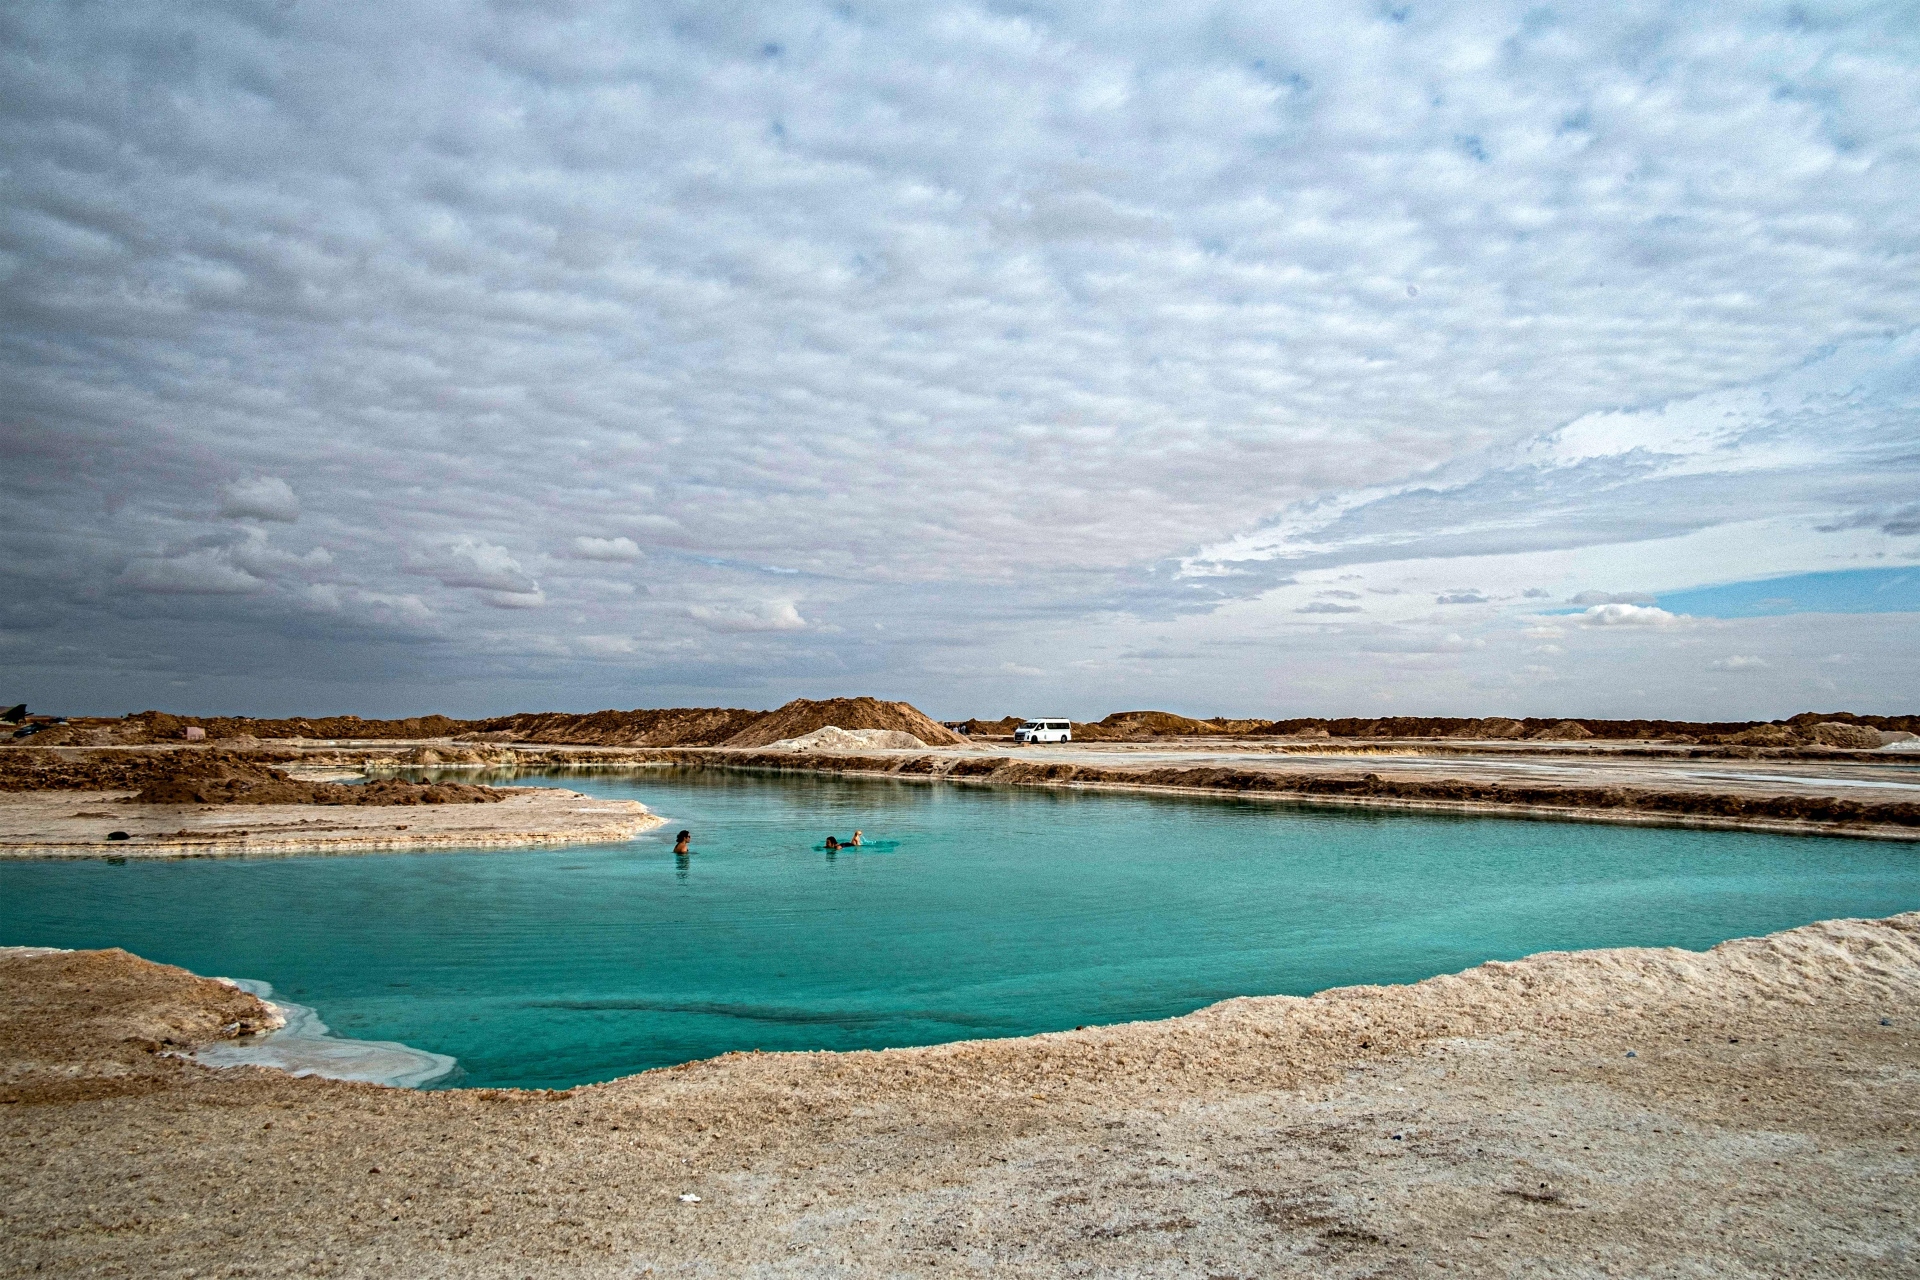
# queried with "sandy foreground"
point(1750, 1111)
point(54, 824)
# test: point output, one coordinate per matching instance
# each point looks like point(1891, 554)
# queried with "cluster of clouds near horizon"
point(1335, 358)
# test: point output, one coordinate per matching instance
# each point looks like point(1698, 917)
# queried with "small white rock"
point(689, 1198)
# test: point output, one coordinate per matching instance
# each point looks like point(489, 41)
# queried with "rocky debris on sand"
point(802, 716)
point(85, 1014)
point(834, 738)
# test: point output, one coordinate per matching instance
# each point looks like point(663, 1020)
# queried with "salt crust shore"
point(75, 824)
point(1753, 1110)
point(1846, 796)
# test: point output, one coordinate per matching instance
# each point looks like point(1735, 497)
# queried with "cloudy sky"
point(1244, 358)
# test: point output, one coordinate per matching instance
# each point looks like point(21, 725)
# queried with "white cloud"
point(408, 612)
point(469, 562)
point(209, 572)
point(605, 549)
point(606, 646)
point(260, 498)
point(227, 563)
point(1738, 662)
point(1627, 615)
point(1611, 597)
point(773, 615)
point(514, 599)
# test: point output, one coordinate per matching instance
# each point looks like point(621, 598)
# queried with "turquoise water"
point(996, 912)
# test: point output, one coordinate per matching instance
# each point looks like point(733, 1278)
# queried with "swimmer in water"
point(832, 844)
point(856, 842)
point(680, 842)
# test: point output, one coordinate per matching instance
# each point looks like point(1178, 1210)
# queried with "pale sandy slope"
point(1489, 1123)
point(59, 824)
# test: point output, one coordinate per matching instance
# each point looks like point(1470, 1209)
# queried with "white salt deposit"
point(834, 738)
point(305, 1047)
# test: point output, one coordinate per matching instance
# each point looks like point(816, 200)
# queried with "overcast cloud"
point(1248, 358)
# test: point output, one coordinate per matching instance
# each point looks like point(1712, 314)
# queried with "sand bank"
point(1857, 795)
point(1880, 800)
point(68, 824)
point(1749, 1111)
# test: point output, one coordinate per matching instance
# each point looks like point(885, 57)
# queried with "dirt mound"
point(1767, 735)
point(1135, 725)
point(803, 715)
point(1565, 731)
point(1835, 733)
point(1001, 728)
point(1491, 727)
point(663, 727)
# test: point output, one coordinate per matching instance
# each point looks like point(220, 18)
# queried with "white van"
point(1034, 732)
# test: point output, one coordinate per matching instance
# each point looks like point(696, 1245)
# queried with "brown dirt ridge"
point(214, 777)
point(717, 726)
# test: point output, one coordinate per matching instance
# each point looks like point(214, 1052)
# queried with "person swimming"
point(680, 842)
point(833, 844)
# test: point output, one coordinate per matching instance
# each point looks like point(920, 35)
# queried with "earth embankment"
point(212, 777)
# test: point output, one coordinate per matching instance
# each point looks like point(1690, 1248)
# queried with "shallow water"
point(998, 912)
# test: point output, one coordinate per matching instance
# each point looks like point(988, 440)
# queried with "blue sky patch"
point(1838, 591)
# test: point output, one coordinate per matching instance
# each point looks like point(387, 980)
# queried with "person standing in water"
point(680, 843)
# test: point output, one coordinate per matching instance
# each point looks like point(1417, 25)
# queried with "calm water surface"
point(1000, 912)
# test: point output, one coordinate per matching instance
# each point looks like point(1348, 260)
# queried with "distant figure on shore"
point(680, 842)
